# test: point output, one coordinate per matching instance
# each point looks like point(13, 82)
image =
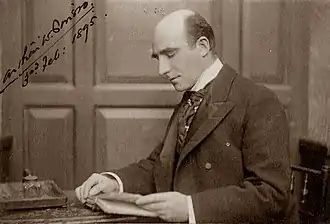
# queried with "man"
point(228, 160)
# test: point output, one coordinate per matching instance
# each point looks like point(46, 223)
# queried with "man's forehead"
point(169, 36)
point(170, 31)
point(169, 42)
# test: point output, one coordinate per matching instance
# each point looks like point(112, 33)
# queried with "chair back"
point(310, 182)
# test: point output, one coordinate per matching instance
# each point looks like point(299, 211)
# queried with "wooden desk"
point(74, 212)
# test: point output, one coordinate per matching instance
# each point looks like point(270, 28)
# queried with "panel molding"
point(232, 33)
point(124, 78)
point(260, 46)
point(114, 145)
point(49, 143)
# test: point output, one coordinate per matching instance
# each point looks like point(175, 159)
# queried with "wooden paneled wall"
point(283, 44)
point(319, 73)
point(1, 75)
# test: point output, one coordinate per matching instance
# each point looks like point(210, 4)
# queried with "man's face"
point(177, 61)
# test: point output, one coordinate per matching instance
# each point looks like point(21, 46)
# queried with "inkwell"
point(31, 187)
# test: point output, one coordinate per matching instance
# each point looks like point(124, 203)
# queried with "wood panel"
point(11, 20)
point(261, 35)
point(83, 58)
point(319, 70)
point(116, 146)
point(297, 41)
point(40, 18)
point(263, 46)
point(127, 33)
point(1, 73)
point(48, 140)
point(231, 33)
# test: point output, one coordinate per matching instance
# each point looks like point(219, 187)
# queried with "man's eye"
point(171, 55)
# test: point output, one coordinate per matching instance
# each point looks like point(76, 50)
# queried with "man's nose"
point(163, 66)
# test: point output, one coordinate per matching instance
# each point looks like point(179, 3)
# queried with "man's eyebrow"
point(164, 51)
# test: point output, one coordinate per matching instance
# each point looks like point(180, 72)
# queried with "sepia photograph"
point(164, 111)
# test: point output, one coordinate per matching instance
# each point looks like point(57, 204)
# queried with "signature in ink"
point(49, 60)
point(57, 25)
point(46, 61)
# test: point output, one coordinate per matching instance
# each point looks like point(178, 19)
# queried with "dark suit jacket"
point(235, 164)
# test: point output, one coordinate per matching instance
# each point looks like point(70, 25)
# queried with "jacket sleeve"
point(138, 177)
point(265, 151)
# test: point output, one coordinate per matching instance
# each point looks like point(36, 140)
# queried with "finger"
point(82, 194)
point(94, 207)
point(89, 183)
point(78, 194)
point(101, 204)
point(98, 188)
point(90, 201)
point(150, 198)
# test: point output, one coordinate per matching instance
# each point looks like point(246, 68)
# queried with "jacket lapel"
point(212, 112)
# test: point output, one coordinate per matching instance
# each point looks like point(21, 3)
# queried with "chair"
point(6, 144)
point(312, 177)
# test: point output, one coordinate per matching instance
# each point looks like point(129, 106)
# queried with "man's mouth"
point(172, 79)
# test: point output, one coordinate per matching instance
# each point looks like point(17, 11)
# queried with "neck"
point(209, 60)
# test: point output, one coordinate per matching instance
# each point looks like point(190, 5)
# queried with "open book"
point(121, 203)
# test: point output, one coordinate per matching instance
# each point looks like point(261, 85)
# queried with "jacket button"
point(208, 166)
point(227, 144)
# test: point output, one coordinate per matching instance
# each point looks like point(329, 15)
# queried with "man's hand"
point(94, 185)
point(170, 206)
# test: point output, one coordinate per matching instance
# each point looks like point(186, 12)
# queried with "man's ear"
point(203, 45)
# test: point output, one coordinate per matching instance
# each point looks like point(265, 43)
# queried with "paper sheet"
point(121, 203)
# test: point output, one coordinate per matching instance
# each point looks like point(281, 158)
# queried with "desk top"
point(74, 212)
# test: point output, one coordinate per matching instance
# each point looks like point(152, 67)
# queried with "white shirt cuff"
point(191, 213)
point(120, 183)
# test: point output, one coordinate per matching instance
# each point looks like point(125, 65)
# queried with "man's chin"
point(179, 88)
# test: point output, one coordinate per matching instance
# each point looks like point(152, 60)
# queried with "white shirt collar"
point(208, 75)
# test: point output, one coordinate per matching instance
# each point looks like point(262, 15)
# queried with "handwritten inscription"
point(46, 61)
point(57, 25)
point(83, 30)
point(43, 61)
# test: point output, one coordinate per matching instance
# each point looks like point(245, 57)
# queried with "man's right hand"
point(95, 184)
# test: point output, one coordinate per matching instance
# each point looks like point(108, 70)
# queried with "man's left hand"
point(170, 206)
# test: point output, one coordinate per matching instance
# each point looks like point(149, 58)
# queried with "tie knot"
point(195, 96)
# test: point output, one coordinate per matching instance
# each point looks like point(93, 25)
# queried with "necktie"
point(191, 103)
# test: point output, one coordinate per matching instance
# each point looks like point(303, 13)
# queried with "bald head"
point(187, 24)
point(174, 21)
point(172, 26)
